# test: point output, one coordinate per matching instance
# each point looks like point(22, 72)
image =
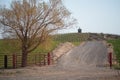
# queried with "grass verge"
point(116, 44)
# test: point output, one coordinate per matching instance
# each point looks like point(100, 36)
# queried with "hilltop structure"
point(79, 30)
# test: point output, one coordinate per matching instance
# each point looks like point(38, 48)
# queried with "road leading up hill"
point(91, 54)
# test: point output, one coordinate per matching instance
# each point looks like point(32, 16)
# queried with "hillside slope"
point(71, 37)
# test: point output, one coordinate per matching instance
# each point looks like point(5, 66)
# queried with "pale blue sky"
point(96, 15)
point(92, 15)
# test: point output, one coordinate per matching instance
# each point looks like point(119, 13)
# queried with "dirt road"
point(85, 62)
point(89, 54)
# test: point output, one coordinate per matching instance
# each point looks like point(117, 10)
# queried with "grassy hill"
point(13, 46)
point(75, 38)
point(71, 37)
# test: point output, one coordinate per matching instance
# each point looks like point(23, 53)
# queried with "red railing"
point(14, 61)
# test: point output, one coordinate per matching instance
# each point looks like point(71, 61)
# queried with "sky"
point(101, 16)
point(95, 16)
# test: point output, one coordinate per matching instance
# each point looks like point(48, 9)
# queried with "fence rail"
point(14, 61)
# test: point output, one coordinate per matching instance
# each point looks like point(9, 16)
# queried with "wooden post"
point(48, 58)
point(35, 59)
point(14, 61)
point(110, 59)
point(39, 60)
point(44, 60)
point(5, 61)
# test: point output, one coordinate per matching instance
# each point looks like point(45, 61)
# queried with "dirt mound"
point(62, 49)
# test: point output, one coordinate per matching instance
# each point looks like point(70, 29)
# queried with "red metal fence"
point(14, 61)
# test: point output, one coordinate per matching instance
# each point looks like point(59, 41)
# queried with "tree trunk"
point(24, 57)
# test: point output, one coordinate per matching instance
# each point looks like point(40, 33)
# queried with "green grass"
point(71, 37)
point(116, 44)
point(46, 47)
point(9, 46)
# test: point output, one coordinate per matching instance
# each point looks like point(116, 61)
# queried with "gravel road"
point(89, 54)
point(85, 62)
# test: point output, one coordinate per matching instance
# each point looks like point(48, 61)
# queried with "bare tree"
point(31, 21)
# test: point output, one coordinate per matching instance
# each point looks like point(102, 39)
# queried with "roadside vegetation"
point(116, 44)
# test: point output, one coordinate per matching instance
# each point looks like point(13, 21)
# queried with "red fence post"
point(14, 61)
point(110, 59)
point(48, 58)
